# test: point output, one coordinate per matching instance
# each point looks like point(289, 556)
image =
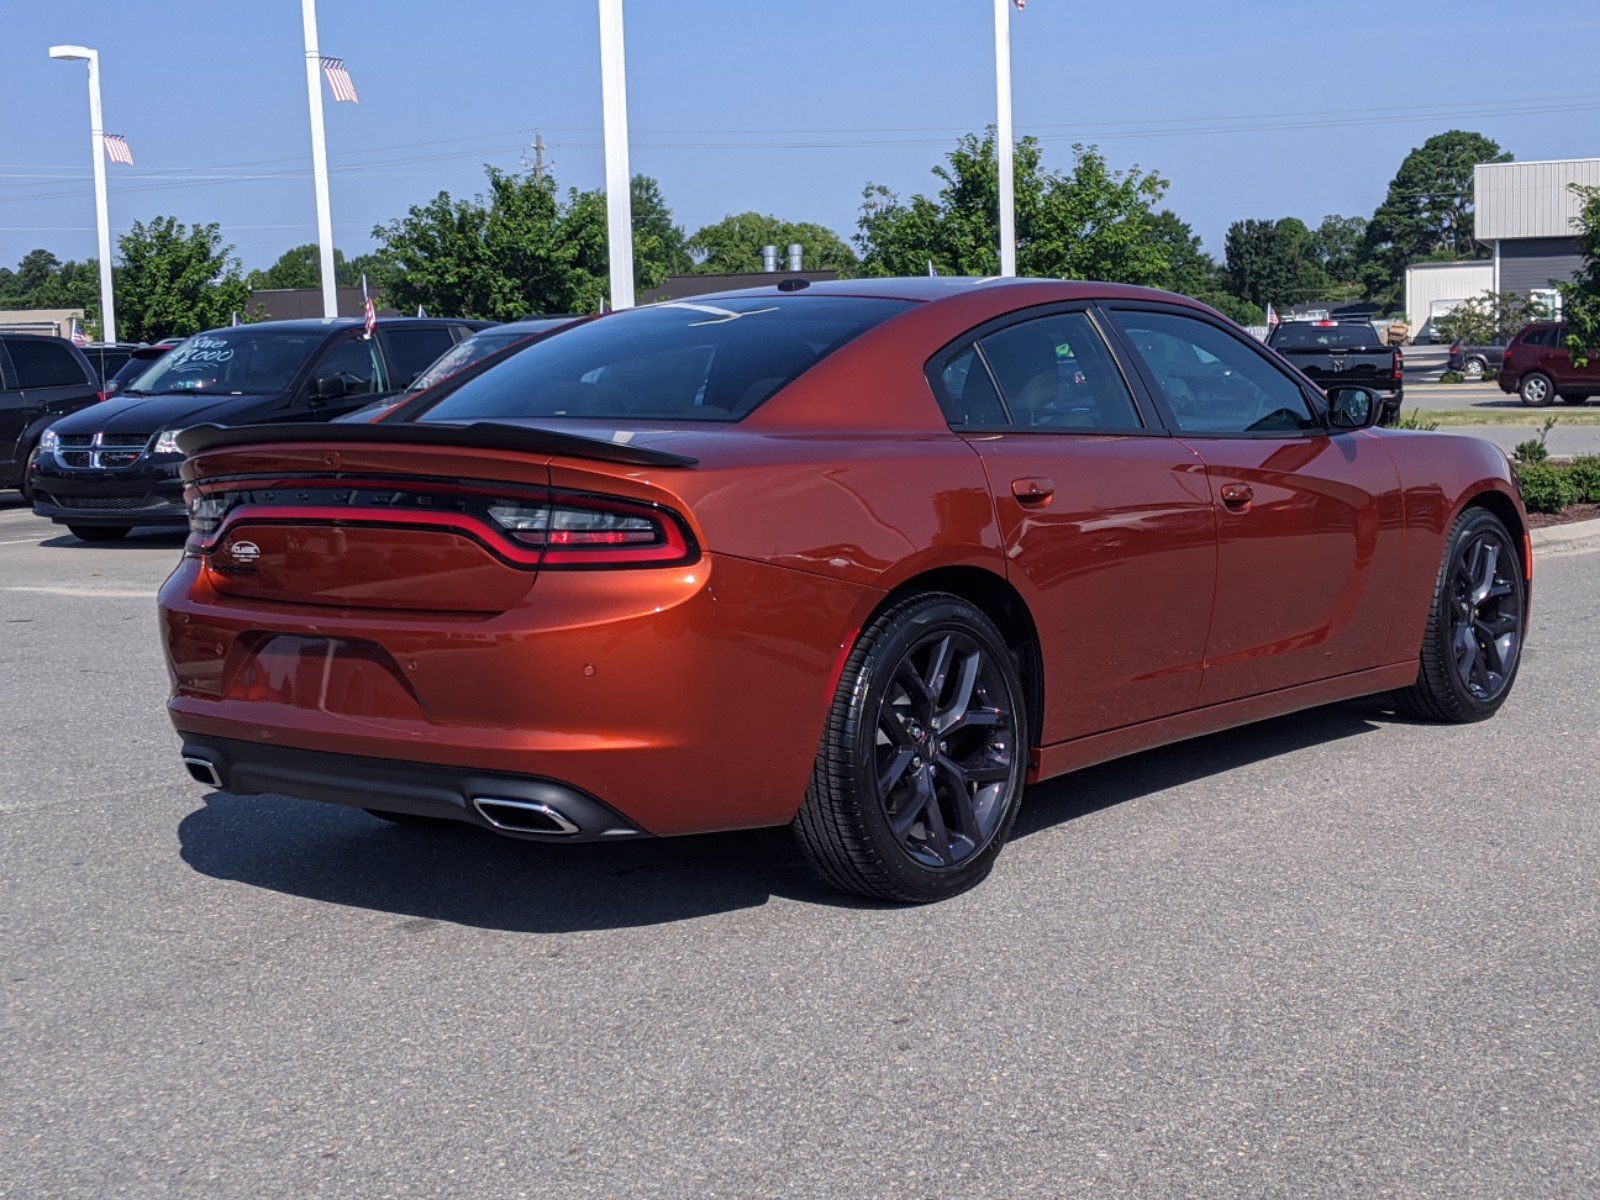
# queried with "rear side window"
point(711, 360)
point(967, 395)
point(41, 364)
point(412, 351)
point(1056, 374)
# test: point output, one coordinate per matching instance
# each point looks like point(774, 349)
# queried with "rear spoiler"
point(481, 435)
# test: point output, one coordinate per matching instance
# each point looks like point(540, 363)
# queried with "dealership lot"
point(1331, 955)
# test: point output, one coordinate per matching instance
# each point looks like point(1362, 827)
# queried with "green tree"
point(1482, 319)
point(43, 281)
point(518, 249)
point(1089, 223)
point(1580, 296)
point(301, 267)
point(1194, 273)
point(176, 280)
point(734, 244)
point(1273, 262)
point(1339, 244)
point(1427, 213)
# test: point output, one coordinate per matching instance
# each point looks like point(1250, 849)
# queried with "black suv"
point(102, 472)
point(41, 380)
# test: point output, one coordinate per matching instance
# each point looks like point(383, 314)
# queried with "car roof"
point(311, 324)
point(933, 288)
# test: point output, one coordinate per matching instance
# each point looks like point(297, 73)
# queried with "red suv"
point(1538, 367)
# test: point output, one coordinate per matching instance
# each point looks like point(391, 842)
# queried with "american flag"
point(367, 309)
point(117, 148)
point(1272, 317)
point(339, 79)
point(1021, 4)
point(76, 333)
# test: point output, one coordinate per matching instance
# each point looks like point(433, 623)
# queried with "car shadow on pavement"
point(468, 876)
point(139, 539)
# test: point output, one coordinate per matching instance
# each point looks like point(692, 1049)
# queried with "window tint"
point(42, 364)
point(412, 351)
point(1315, 335)
point(1213, 382)
point(711, 360)
point(967, 395)
point(355, 360)
point(1056, 373)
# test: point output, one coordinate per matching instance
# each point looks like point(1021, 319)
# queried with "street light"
point(619, 184)
point(1002, 136)
point(319, 160)
point(97, 138)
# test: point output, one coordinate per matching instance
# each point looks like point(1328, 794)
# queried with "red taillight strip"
point(409, 518)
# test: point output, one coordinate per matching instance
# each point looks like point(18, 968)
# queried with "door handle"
point(1035, 490)
point(1237, 496)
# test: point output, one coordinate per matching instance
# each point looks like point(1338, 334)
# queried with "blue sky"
point(785, 106)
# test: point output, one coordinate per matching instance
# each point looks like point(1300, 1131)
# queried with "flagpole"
point(319, 160)
point(97, 151)
point(1002, 136)
point(619, 183)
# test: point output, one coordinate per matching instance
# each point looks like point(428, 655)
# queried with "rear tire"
point(99, 533)
point(1536, 390)
point(1472, 645)
point(1473, 369)
point(920, 773)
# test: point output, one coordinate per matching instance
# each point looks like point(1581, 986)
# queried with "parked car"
point(107, 358)
point(859, 557)
point(463, 355)
point(1344, 352)
point(1539, 367)
point(139, 361)
point(1474, 362)
point(100, 473)
point(41, 380)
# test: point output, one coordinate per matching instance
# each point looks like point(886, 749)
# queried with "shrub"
point(1585, 475)
point(1452, 377)
point(1546, 489)
point(1414, 420)
point(1531, 452)
point(1490, 375)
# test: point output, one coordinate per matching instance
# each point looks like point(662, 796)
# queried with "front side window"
point(710, 360)
point(354, 360)
point(1213, 383)
point(238, 361)
point(1055, 373)
point(41, 364)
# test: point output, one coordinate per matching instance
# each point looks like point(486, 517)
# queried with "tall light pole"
point(619, 183)
point(319, 160)
point(97, 139)
point(1002, 136)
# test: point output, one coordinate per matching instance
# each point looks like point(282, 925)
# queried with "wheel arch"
point(1504, 507)
point(993, 595)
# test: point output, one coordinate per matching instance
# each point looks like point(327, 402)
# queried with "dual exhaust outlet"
point(506, 815)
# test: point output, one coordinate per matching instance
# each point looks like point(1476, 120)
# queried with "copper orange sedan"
point(863, 558)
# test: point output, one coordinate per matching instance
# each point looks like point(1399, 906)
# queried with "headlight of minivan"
point(167, 442)
point(49, 442)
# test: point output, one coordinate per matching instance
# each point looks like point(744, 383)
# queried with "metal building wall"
point(1530, 199)
point(1428, 282)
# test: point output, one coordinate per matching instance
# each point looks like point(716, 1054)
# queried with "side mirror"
point(329, 387)
point(1353, 407)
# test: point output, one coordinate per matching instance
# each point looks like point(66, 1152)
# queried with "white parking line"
point(24, 541)
point(107, 593)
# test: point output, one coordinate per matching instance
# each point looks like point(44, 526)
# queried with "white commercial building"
point(1433, 289)
point(1527, 211)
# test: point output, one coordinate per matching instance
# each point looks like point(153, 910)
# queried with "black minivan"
point(42, 379)
point(102, 471)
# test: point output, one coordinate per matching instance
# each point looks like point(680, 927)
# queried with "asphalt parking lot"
point(1333, 955)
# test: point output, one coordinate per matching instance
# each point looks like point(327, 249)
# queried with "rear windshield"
point(237, 361)
point(712, 360)
point(1308, 336)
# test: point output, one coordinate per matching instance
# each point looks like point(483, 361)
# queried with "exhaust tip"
point(523, 816)
point(202, 770)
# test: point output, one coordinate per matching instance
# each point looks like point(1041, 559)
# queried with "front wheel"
point(1473, 641)
point(1536, 390)
point(99, 533)
point(26, 486)
point(920, 772)
point(1474, 369)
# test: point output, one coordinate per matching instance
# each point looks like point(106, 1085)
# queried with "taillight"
point(597, 532)
point(1399, 369)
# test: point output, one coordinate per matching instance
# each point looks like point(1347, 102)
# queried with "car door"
point(1309, 523)
point(1107, 519)
point(355, 359)
point(14, 417)
point(55, 378)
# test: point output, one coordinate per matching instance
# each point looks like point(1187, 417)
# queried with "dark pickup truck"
point(1343, 352)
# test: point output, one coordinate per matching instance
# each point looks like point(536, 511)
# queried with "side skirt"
point(1061, 757)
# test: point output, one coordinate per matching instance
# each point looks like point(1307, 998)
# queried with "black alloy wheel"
point(1473, 643)
point(920, 773)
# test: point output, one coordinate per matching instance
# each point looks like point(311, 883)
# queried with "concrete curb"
point(1566, 535)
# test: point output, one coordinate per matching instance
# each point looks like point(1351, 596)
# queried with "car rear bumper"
point(514, 805)
point(143, 495)
point(682, 700)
